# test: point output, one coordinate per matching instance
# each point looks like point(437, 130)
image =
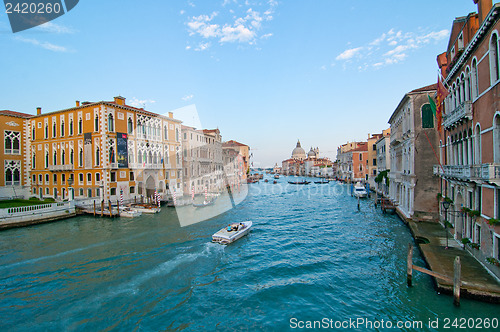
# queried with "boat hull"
point(225, 237)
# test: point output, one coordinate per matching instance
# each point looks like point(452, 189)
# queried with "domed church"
point(298, 153)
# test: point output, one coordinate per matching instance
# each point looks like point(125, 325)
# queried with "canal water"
point(311, 256)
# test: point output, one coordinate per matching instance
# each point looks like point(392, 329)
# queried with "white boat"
point(360, 191)
point(232, 232)
point(129, 213)
point(145, 208)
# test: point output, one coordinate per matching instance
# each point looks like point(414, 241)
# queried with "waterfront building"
point(277, 169)
point(470, 136)
point(102, 150)
point(412, 141)
point(202, 160)
point(383, 159)
point(234, 168)
point(14, 182)
point(242, 149)
point(372, 158)
point(345, 161)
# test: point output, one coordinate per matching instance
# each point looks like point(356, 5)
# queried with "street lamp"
point(446, 206)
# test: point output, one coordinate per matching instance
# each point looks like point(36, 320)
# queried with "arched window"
point(33, 161)
point(493, 54)
point(72, 157)
point(462, 88)
point(46, 159)
point(477, 147)
point(130, 126)
point(97, 157)
point(8, 145)
point(150, 157)
point(54, 129)
point(468, 92)
point(474, 82)
point(46, 130)
point(176, 134)
point(80, 126)
point(80, 157)
point(496, 138)
point(96, 123)
point(139, 157)
point(55, 158)
point(111, 126)
point(33, 133)
point(62, 128)
point(63, 157)
point(71, 127)
point(427, 117)
point(165, 133)
point(112, 155)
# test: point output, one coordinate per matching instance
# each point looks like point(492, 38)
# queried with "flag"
point(433, 105)
point(441, 95)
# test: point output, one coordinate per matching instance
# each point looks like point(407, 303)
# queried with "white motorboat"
point(360, 191)
point(129, 213)
point(232, 232)
point(145, 208)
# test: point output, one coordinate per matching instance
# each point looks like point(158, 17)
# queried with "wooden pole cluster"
point(456, 277)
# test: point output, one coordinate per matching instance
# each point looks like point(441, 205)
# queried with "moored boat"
point(276, 176)
point(129, 213)
point(145, 208)
point(299, 182)
point(232, 232)
point(360, 191)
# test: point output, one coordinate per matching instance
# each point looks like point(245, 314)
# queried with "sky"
point(265, 72)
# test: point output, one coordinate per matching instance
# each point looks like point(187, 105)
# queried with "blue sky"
point(264, 72)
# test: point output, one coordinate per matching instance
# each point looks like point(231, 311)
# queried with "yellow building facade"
point(103, 151)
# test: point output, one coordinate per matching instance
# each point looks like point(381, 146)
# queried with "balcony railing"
point(68, 167)
point(484, 172)
point(464, 110)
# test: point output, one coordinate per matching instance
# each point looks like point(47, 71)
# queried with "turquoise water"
point(311, 256)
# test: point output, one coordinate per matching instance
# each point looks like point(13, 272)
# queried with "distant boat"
point(232, 232)
point(299, 182)
point(321, 182)
point(274, 182)
point(266, 180)
point(276, 176)
point(205, 203)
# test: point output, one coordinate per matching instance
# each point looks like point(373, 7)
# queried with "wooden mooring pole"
point(456, 281)
point(409, 265)
point(102, 208)
point(456, 277)
point(94, 207)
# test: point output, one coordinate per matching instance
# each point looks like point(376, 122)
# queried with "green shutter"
point(427, 117)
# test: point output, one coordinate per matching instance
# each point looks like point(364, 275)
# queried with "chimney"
point(483, 8)
point(170, 115)
point(38, 110)
point(77, 103)
point(120, 100)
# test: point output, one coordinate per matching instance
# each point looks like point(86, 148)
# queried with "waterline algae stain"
point(311, 257)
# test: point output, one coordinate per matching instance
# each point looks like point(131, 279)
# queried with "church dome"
point(298, 152)
point(311, 153)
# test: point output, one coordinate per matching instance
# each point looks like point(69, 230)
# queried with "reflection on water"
point(311, 254)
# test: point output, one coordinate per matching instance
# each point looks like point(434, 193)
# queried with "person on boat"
point(229, 228)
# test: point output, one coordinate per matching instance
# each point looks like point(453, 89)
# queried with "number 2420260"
point(33, 8)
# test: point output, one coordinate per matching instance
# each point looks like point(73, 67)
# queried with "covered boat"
point(232, 232)
point(360, 191)
point(145, 208)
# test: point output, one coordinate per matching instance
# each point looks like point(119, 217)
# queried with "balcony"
point(462, 111)
point(60, 168)
point(485, 172)
point(396, 138)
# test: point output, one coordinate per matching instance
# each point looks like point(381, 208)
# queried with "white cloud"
point(187, 97)
point(390, 48)
point(348, 54)
point(54, 28)
point(140, 103)
point(202, 47)
point(45, 45)
point(244, 26)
